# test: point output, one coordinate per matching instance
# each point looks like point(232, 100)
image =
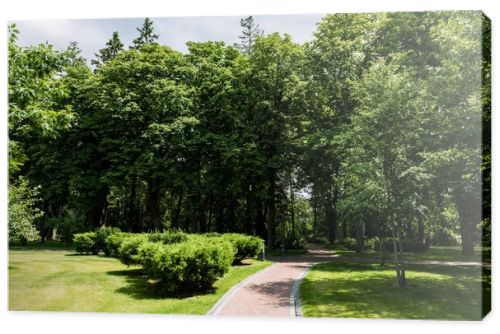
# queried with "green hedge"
point(114, 241)
point(129, 248)
point(186, 266)
point(101, 234)
point(85, 243)
point(179, 261)
point(246, 246)
point(168, 237)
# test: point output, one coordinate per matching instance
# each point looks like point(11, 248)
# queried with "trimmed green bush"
point(168, 237)
point(114, 241)
point(129, 248)
point(187, 266)
point(246, 246)
point(85, 243)
point(101, 234)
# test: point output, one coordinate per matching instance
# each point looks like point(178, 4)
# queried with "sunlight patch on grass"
point(368, 291)
point(43, 280)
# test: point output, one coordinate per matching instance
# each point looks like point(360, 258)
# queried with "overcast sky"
point(92, 34)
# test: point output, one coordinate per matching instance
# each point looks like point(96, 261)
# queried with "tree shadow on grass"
point(432, 292)
point(140, 287)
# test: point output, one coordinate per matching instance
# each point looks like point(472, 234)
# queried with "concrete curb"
point(295, 304)
point(223, 300)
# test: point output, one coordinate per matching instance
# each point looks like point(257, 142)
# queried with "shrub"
point(168, 237)
point(372, 244)
point(129, 248)
point(101, 234)
point(187, 266)
point(85, 243)
point(246, 246)
point(114, 241)
point(349, 243)
point(24, 211)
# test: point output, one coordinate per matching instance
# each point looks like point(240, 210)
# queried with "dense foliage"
point(370, 130)
point(180, 262)
point(85, 243)
point(187, 266)
point(23, 212)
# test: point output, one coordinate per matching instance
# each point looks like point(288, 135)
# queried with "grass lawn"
point(59, 280)
point(435, 253)
point(367, 291)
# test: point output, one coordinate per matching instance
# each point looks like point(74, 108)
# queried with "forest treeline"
point(371, 129)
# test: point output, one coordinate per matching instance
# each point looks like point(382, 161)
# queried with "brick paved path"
point(270, 292)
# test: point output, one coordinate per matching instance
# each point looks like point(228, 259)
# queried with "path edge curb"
point(223, 300)
point(295, 303)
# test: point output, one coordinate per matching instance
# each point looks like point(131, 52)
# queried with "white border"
point(44, 322)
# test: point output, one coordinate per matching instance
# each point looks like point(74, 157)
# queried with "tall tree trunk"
point(133, 217)
point(331, 215)
point(153, 220)
point(202, 216)
point(469, 214)
point(315, 214)
point(398, 258)
point(260, 219)
point(360, 234)
point(177, 212)
point(210, 210)
point(466, 230)
point(271, 227)
point(219, 220)
point(249, 223)
point(95, 214)
point(421, 229)
point(292, 207)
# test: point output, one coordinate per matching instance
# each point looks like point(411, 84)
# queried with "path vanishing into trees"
point(274, 291)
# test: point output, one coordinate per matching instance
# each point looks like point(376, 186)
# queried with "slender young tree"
point(146, 35)
point(113, 46)
point(250, 32)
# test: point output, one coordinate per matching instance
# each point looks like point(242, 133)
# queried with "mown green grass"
point(368, 291)
point(435, 253)
point(59, 280)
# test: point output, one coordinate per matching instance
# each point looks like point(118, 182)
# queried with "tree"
point(23, 211)
point(456, 108)
point(34, 112)
point(113, 47)
point(337, 57)
point(370, 130)
point(73, 53)
point(146, 35)
point(249, 34)
point(275, 93)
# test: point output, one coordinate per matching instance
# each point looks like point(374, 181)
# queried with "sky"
point(92, 34)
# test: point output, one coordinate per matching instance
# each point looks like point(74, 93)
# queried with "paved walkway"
point(273, 291)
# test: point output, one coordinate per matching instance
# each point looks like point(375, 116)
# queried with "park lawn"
point(59, 280)
point(435, 253)
point(356, 290)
